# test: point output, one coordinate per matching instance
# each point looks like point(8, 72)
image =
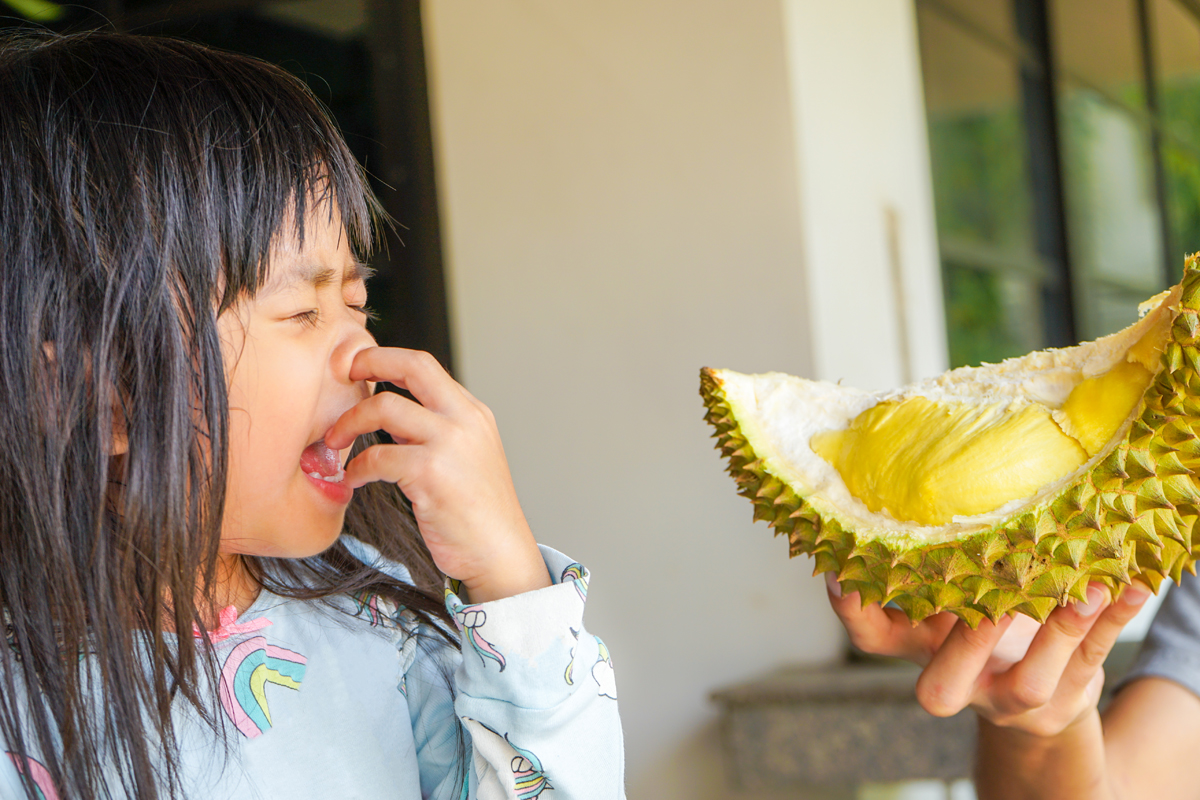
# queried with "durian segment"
point(924, 462)
point(1147, 351)
point(1098, 406)
point(929, 462)
point(1129, 511)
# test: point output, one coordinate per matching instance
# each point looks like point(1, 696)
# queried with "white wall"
point(621, 197)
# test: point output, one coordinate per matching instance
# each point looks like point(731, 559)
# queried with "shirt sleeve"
point(534, 709)
point(1172, 646)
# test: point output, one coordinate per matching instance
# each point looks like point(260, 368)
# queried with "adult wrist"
point(1027, 736)
point(1017, 763)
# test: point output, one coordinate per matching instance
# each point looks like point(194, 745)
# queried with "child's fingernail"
point(832, 584)
point(1135, 595)
point(1095, 597)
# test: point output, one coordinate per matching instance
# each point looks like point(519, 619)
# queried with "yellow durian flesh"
point(1098, 406)
point(926, 462)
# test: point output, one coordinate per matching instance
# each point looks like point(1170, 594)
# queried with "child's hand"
point(1018, 674)
point(450, 463)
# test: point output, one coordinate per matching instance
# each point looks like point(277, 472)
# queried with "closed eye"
point(308, 319)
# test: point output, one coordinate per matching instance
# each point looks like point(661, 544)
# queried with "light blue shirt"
point(356, 702)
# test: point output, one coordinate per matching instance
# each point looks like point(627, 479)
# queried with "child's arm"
point(535, 696)
point(1040, 734)
point(534, 691)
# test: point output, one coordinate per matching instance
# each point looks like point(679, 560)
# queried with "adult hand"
point(1016, 674)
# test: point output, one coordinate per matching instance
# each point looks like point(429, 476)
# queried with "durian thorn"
point(1172, 358)
point(982, 589)
point(721, 427)
point(804, 513)
point(770, 489)
point(993, 616)
point(1079, 590)
point(970, 615)
point(745, 451)
point(744, 476)
point(1148, 580)
point(785, 497)
point(826, 533)
point(1038, 607)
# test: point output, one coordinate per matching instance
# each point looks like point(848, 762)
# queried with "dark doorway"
point(365, 60)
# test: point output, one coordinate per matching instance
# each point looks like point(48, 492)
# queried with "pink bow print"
point(228, 626)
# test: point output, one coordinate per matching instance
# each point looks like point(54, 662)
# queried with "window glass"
point(1096, 44)
point(1176, 36)
point(1112, 211)
point(991, 274)
point(987, 19)
point(1113, 221)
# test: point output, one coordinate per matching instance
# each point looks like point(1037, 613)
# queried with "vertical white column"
point(618, 189)
point(866, 200)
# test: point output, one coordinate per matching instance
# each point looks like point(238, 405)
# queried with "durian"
point(990, 490)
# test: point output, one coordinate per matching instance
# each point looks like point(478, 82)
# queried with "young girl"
point(216, 579)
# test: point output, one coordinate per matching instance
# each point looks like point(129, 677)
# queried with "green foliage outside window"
point(975, 317)
point(981, 194)
point(1179, 100)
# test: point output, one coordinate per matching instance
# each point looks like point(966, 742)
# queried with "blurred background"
point(598, 199)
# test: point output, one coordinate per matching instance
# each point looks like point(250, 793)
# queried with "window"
point(1066, 163)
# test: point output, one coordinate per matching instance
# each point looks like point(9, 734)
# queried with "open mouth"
point(322, 462)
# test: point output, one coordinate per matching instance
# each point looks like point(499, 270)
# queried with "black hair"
point(142, 182)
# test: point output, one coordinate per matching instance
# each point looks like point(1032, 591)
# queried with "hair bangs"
point(268, 157)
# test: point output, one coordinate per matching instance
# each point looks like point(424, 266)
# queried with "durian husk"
point(1132, 516)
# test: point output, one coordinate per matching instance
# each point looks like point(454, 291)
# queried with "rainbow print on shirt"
point(528, 776)
point(469, 620)
point(602, 671)
point(577, 574)
point(248, 669)
point(36, 771)
point(366, 601)
point(529, 779)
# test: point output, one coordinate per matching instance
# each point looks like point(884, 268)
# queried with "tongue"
point(317, 457)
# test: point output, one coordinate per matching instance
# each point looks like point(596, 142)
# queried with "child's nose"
point(354, 338)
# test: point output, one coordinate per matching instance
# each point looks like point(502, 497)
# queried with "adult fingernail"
point(832, 584)
point(1135, 595)
point(1095, 597)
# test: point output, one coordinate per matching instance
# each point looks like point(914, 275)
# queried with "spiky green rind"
point(1133, 515)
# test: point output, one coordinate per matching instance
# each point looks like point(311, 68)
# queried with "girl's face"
point(287, 361)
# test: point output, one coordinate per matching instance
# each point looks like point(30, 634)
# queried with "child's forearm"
point(1015, 765)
